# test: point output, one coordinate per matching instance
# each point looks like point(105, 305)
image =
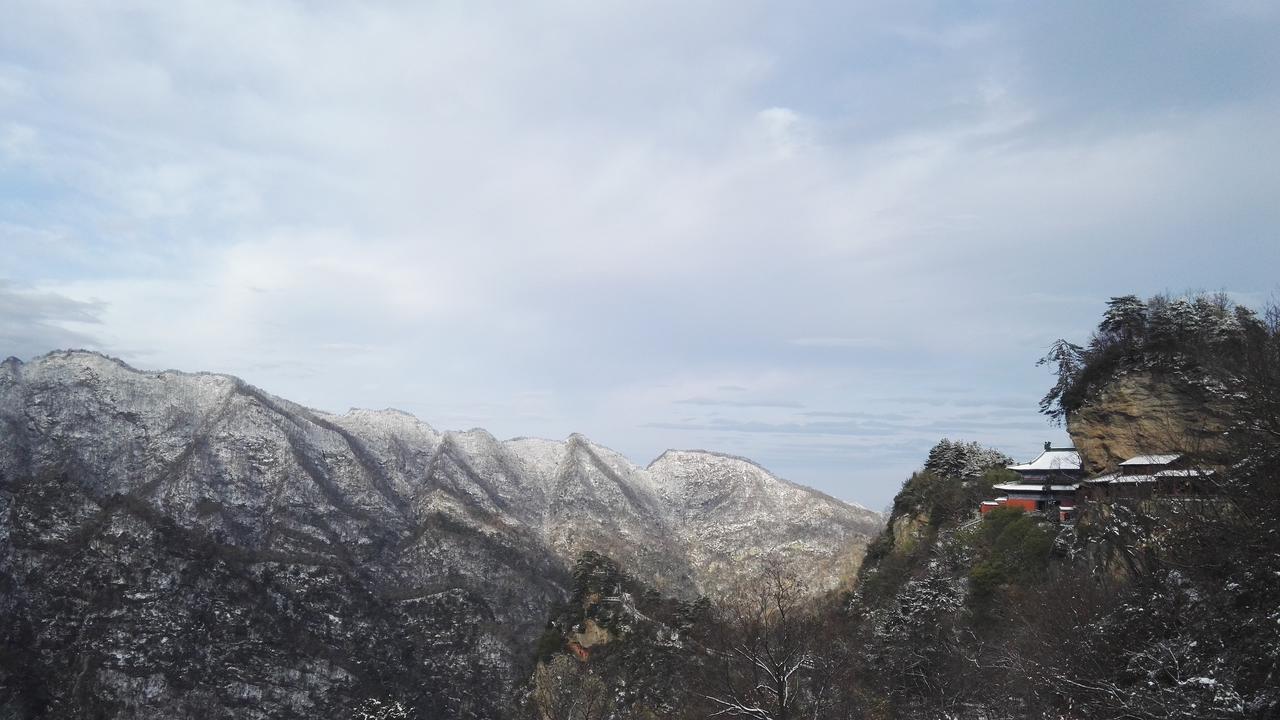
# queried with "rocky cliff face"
point(180, 545)
point(1144, 412)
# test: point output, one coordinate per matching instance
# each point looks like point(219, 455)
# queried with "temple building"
point(1147, 475)
point(1047, 484)
point(1054, 483)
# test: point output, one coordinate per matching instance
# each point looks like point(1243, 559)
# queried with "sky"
point(822, 235)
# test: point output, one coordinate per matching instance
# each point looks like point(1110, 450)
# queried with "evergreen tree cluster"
point(963, 460)
point(1177, 335)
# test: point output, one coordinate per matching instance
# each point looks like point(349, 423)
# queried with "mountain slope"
point(171, 541)
point(731, 512)
point(180, 542)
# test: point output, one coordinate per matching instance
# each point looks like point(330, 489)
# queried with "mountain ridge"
point(355, 411)
point(184, 489)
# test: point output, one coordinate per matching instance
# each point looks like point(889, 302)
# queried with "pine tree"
point(1125, 319)
point(1068, 361)
point(963, 459)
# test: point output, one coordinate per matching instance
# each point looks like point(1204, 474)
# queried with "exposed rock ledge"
point(1143, 412)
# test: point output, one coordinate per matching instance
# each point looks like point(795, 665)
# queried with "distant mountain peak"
point(287, 499)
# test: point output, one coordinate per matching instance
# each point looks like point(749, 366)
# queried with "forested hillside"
point(187, 545)
point(1146, 608)
point(1153, 607)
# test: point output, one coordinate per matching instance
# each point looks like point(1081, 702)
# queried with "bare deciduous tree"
point(769, 659)
point(565, 689)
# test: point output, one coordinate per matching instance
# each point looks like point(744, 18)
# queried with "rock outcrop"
point(1144, 412)
point(183, 545)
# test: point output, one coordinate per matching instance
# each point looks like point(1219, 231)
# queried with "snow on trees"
point(958, 459)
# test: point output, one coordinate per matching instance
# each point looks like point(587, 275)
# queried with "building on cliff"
point(1055, 484)
point(1146, 475)
point(1048, 484)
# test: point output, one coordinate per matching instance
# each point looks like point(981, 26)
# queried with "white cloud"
point(623, 206)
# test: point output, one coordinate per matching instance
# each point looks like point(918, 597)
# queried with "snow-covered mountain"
point(169, 526)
